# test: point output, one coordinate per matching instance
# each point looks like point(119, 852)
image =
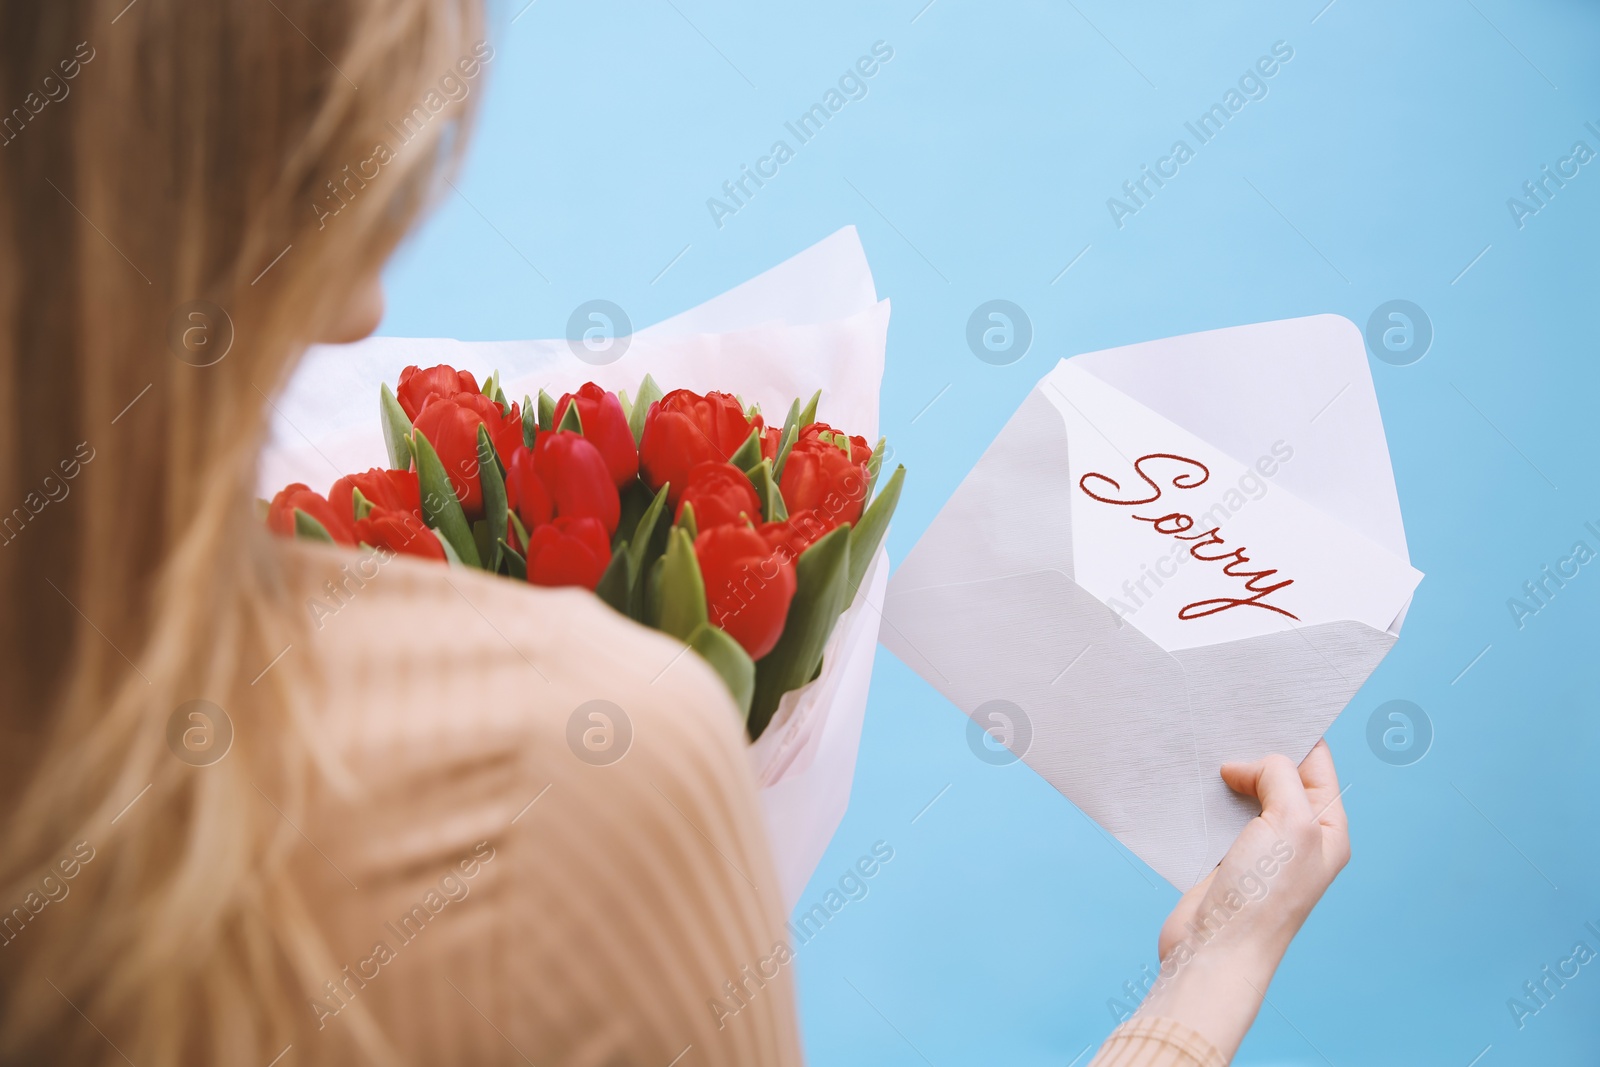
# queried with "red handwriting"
point(1176, 524)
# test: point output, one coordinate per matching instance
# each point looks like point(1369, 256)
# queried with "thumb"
point(1274, 781)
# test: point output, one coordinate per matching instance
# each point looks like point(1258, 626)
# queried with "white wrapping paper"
point(811, 322)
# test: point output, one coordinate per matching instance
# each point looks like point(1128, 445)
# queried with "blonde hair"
point(164, 153)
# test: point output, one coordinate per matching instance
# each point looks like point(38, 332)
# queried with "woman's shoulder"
point(560, 796)
point(411, 653)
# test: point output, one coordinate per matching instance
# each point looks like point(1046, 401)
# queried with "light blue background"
point(977, 167)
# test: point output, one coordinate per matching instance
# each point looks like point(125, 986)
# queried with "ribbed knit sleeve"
point(550, 848)
point(1156, 1043)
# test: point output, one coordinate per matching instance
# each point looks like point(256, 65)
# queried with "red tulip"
point(720, 494)
point(794, 535)
point(684, 429)
point(418, 386)
point(399, 531)
point(451, 426)
point(280, 513)
point(748, 586)
point(390, 490)
point(860, 451)
point(606, 427)
point(575, 475)
point(526, 495)
point(818, 476)
point(568, 551)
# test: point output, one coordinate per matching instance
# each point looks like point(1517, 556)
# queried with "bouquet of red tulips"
point(685, 512)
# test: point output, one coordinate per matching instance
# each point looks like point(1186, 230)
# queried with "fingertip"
point(1241, 777)
point(1317, 768)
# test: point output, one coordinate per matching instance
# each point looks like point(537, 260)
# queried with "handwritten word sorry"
point(1176, 524)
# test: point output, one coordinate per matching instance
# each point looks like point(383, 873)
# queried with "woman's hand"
point(1222, 943)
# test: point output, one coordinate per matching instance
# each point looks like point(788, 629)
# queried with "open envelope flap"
point(1305, 382)
point(1012, 514)
point(1275, 693)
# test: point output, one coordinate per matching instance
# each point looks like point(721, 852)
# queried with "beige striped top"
point(552, 851)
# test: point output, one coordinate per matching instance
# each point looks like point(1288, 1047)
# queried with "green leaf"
point(616, 584)
point(570, 422)
point(647, 522)
point(627, 405)
point(362, 507)
point(683, 592)
point(494, 496)
point(530, 420)
point(875, 465)
point(396, 429)
point(821, 575)
point(747, 455)
point(653, 590)
point(633, 499)
point(686, 522)
point(516, 566)
point(492, 390)
point(786, 440)
point(483, 540)
point(522, 531)
point(547, 411)
point(773, 508)
point(649, 393)
point(868, 533)
point(449, 553)
point(729, 660)
point(808, 414)
point(308, 529)
point(440, 508)
point(649, 541)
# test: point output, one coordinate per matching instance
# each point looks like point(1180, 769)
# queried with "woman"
point(391, 853)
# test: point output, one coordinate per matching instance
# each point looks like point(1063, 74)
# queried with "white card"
point(1193, 547)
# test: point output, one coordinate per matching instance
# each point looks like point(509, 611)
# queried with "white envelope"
point(1124, 716)
point(813, 321)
